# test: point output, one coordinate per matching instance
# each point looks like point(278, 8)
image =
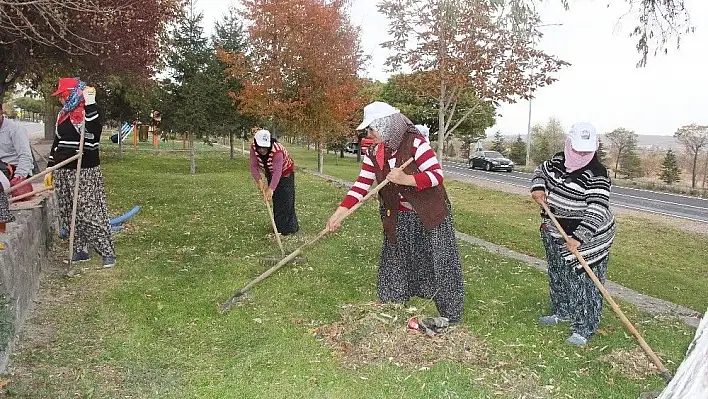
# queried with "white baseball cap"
point(374, 111)
point(262, 138)
point(583, 137)
point(424, 130)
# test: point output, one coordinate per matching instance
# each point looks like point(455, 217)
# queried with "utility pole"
point(528, 127)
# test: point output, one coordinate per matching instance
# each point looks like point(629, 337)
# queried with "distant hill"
point(645, 142)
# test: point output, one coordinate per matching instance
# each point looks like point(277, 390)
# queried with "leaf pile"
point(634, 363)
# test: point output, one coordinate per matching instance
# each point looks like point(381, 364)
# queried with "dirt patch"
point(632, 364)
point(378, 333)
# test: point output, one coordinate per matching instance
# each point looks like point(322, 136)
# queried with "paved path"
point(642, 302)
point(666, 204)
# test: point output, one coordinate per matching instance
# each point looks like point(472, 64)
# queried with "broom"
point(642, 343)
point(241, 291)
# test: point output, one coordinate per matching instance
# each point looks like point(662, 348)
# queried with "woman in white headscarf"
point(419, 256)
point(576, 187)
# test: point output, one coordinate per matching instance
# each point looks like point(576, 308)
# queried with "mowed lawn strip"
point(647, 256)
point(150, 328)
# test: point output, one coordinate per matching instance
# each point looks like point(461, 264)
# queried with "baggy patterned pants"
point(574, 296)
point(423, 263)
point(92, 221)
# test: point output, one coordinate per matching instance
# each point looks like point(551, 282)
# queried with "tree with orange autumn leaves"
point(300, 68)
point(459, 49)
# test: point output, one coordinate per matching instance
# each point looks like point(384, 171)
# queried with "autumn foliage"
point(301, 67)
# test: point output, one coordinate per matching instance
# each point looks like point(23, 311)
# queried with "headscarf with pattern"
point(73, 104)
point(392, 129)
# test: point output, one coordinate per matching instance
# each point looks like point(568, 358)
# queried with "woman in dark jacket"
point(576, 187)
point(79, 116)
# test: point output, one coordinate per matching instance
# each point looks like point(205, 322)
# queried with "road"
point(672, 205)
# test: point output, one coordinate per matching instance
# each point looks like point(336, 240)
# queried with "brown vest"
point(429, 204)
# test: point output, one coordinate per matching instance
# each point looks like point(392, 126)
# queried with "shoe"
point(81, 256)
point(577, 339)
point(551, 320)
point(109, 261)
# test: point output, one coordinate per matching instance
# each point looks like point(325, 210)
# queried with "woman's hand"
point(539, 196)
point(261, 185)
point(399, 176)
point(267, 194)
point(572, 244)
point(335, 221)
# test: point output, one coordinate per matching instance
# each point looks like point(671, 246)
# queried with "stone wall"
point(23, 257)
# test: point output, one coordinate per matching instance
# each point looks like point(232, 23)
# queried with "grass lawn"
point(150, 328)
point(647, 256)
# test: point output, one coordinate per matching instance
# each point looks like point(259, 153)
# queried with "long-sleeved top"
point(430, 175)
point(581, 202)
point(67, 136)
point(15, 147)
point(277, 163)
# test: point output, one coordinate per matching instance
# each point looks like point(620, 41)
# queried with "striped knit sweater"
point(66, 140)
point(581, 202)
point(430, 174)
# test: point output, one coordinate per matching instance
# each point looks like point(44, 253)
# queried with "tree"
point(302, 65)
point(547, 140)
point(670, 171)
point(462, 50)
point(659, 22)
point(44, 39)
point(601, 153)
point(694, 139)
point(186, 100)
point(498, 144)
point(631, 164)
point(621, 141)
point(517, 152)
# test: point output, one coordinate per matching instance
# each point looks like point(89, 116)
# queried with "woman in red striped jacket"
point(419, 256)
point(269, 156)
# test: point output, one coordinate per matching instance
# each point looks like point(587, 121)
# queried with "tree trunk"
point(50, 118)
point(120, 143)
point(320, 157)
point(693, 171)
point(243, 147)
point(192, 155)
point(358, 148)
point(691, 378)
point(231, 145)
point(617, 162)
point(705, 171)
point(441, 124)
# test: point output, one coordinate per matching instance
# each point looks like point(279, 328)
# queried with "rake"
point(241, 291)
point(274, 260)
point(642, 343)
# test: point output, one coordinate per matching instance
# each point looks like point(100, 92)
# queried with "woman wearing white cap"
point(576, 187)
point(419, 255)
point(268, 155)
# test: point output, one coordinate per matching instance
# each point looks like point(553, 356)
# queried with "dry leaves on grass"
point(374, 333)
point(632, 364)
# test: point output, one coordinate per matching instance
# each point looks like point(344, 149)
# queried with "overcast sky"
point(602, 86)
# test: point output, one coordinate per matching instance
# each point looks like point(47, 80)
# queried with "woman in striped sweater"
point(419, 256)
point(269, 156)
point(576, 187)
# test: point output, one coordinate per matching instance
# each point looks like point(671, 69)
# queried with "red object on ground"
point(413, 324)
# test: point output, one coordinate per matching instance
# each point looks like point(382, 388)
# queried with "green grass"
point(150, 328)
point(647, 256)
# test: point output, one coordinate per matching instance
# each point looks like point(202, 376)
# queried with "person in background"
point(576, 188)
point(419, 255)
point(269, 156)
point(80, 116)
point(16, 161)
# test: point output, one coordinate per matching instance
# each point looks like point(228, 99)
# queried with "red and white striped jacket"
point(288, 164)
point(430, 174)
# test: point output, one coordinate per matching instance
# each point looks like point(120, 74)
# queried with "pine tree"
point(631, 164)
point(498, 144)
point(670, 171)
point(517, 153)
point(601, 153)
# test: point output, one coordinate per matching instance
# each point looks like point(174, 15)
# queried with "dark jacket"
point(66, 140)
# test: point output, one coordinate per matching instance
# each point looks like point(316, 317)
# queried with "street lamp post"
point(528, 127)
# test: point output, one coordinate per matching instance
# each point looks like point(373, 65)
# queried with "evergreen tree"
point(670, 171)
point(498, 144)
point(601, 153)
point(631, 164)
point(517, 153)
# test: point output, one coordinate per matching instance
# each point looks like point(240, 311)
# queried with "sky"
point(602, 86)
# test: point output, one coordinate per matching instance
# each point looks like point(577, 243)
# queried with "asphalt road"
point(673, 205)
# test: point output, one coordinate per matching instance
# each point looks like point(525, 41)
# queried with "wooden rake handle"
point(42, 173)
point(275, 228)
point(241, 291)
point(37, 191)
point(642, 343)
